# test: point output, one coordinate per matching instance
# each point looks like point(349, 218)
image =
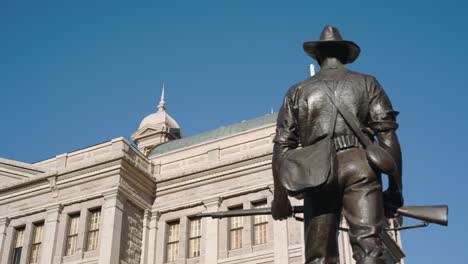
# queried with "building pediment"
point(147, 130)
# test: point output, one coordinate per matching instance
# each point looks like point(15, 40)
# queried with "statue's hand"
point(281, 208)
point(393, 200)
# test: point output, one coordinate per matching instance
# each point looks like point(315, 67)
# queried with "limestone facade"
point(110, 203)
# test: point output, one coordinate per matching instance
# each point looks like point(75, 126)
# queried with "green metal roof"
point(214, 134)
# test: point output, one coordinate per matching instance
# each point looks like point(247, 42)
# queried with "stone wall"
point(132, 235)
point(12, 171)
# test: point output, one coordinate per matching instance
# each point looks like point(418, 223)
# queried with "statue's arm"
point(389, 140)
point(382, 120)
point(286, 139)
point(279, 151)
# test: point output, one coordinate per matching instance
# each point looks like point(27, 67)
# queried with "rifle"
point(436, 214)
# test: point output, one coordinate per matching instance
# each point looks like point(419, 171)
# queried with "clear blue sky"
point(76, 73)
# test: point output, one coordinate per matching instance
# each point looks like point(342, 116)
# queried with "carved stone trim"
point(178, 207)
point(110, 194)
point(55, 208)
point(271, 188)
point(212, 202)
point(5, 221)
point(156, 215)
point(131, 195)
point(53, 186)
point(114, 198)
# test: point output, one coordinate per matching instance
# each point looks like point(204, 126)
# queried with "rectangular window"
point(18, 245)
point(72, 234)
point(194, 237)
point(236, 226)
point(260, 224)
point(172, 241)
point(93, 229)
point(36, 243)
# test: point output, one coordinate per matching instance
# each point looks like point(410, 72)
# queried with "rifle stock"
point(437, 214)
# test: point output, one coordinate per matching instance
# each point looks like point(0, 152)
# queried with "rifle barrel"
point(430, 214)
point(247, 212)
point(234, 213)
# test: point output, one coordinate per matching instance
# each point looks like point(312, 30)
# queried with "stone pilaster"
point(211, 232)
point(112, 211)
point(280, 231)
point(145, 239)
point(223, 236)
point(50, 232)
point(4, 222)
point(161, 239)
point(7, 245)
point(26, 251)
point(81, 243)
point(183, 240)
point(344, 246)
point(152, 238)
point(247, 232)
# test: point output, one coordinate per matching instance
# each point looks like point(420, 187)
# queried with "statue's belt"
point(345, 142)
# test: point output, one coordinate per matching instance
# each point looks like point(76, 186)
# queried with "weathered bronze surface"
point(352, 183)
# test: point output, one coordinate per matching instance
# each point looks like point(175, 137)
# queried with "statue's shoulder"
point(309, 82)
point(359, 76)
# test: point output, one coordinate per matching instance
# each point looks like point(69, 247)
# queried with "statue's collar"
point(331, 71)
point(332, 67)
point(331, 63)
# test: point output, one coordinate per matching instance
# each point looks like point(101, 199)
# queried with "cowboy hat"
point(331, 44)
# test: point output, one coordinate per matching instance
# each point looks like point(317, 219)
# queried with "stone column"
point(7, 245)
point(247, 234)
point(223, 235)
point(4, 222)
point(280, 231)
point(112, 211)
point(50, 232)
point(145, 239)
point(60, 239)
point(26, 251)
point(211, 232)
point(160, 255)
point(183, 225)
point(344, 245)
point(82, 226)
point(152, 238)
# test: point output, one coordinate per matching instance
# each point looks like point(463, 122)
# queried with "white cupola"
point(156, 128)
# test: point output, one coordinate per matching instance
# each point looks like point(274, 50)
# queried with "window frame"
point(194, 237)
point(35, 258)
point(71, 216)
point(90, 230)
point(15, 246)
point(238, 230)
point(259, 224)
point(175, 242)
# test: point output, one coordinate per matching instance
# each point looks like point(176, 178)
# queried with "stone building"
point(116, 203)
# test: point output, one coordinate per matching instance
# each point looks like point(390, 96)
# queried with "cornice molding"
point(272, 125)
point(54, 208)
point(213, 177)
point(221, 165)
point(214, 199)
point(53, 179)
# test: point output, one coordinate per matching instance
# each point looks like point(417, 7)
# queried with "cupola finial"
point(162, 103)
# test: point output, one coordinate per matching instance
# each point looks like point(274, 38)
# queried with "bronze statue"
point(321, 157)
point(335, 136)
